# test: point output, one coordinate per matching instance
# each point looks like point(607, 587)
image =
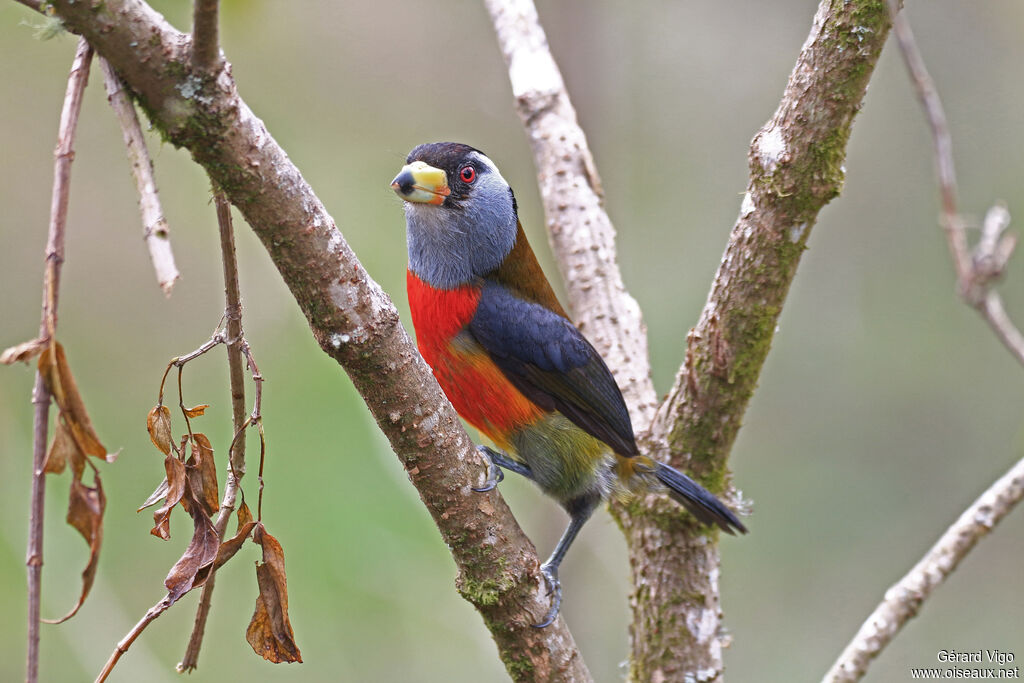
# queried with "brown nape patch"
point(521, 273)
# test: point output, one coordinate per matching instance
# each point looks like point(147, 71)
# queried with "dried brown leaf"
point(202, 474)
point(270, 633)
point(23, 352)
point(197, 410)
point(57, 373)
point(61, 451)
point(226, 551)
point(176, 479)
point(244, 515)
point(201, 552)
point(158, 422)
point(159, 493)
point(85, 513)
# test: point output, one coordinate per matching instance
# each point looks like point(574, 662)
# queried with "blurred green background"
point(885, 408)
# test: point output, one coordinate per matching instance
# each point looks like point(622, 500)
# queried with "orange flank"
point(476, 386)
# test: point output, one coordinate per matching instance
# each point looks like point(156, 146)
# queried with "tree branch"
point(976, 273)
point(350, 316)
point(236, 465)
point(796, 167)
point(154, 225)
point(122, 645)
point(205, 47)
point(903, 600)
point(64, 154)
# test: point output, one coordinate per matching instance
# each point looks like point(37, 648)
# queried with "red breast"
point(477, 388)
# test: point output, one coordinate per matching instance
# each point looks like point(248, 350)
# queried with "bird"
point(509, 358)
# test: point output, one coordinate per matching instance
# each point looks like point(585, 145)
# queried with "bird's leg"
point(580, 510)
point(497, 460)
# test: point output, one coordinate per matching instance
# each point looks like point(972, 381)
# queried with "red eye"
point(468, 174)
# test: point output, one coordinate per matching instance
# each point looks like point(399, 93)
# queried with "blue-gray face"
point(461, 230)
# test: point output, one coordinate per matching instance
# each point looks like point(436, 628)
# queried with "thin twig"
point(64, 154)
point(236, 454)
point(154, 224)
point(904, 599)
point(975, 275)
point(975, 272)
point(126, 642)
point(205, 47)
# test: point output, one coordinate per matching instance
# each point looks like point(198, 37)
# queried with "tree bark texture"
point(795, 169)
point(353, 320)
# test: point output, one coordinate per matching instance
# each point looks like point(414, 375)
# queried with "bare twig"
point(976, 272)
point(236, 454)
point(903, 600)
point(154, 224)
point(126, 642)
point(205, 47)
point(64, 154)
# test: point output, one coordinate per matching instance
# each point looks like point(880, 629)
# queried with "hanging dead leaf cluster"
point(190, 482)
point(73, 442)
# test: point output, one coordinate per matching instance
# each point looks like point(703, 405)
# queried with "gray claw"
point(494, 473)
point(554, 588)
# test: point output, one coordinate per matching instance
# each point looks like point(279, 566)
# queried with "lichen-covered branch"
point(796, 167)
point(351, 317)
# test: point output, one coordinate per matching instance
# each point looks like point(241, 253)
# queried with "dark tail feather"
point(698, 500)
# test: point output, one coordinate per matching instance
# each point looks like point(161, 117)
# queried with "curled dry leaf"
point(201, 552)
point(176, 479)
point(226, 551)
point(85, 513)
point(55, 370)
point(270, 633)
point(23, 352)
point(202, 473)
point(159, 493)
point(158, 422)
point(196, 411)
point(244, 515)
point(62, 450)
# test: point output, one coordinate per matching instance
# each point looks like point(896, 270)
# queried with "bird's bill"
point(419, 182)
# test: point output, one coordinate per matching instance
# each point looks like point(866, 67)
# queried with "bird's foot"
point(494, 473)
point(554, 589)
